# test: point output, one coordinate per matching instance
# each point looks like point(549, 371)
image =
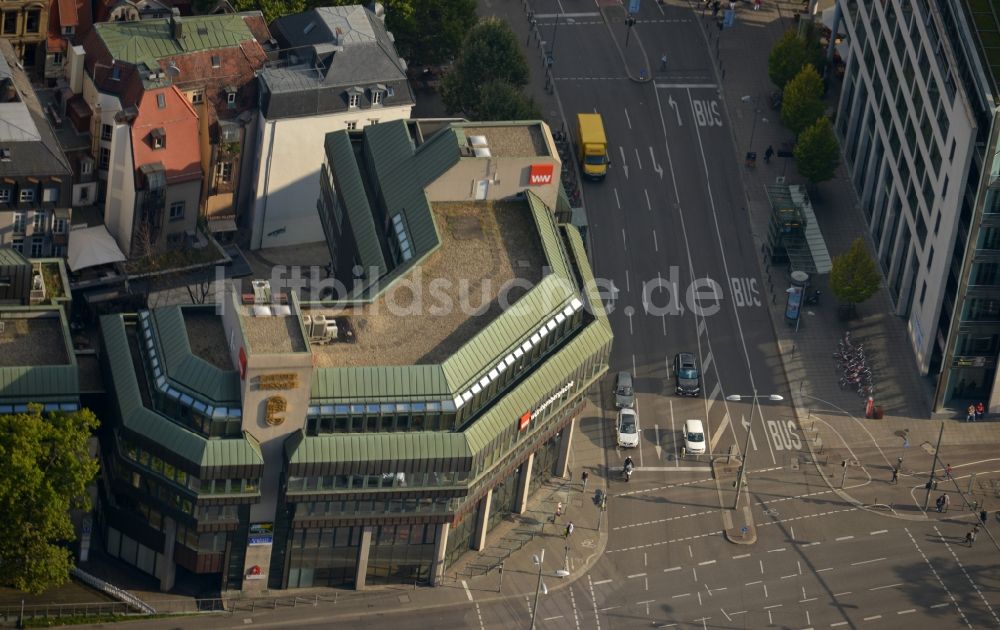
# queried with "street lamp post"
point(540, 585)
point(741, 474)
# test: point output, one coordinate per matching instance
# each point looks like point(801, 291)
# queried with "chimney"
point(176, 26)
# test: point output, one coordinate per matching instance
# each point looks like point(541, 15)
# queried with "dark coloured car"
point(687, 376)
point(624, 394)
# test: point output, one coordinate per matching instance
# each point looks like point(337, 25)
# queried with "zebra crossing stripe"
point(715, 392)
point(701, 327)
point(708, 362)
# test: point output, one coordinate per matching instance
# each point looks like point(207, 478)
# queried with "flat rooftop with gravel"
point(31, 339)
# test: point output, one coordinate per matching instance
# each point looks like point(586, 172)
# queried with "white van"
point(694, 437)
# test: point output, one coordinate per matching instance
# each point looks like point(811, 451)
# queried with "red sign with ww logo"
point(540, 174)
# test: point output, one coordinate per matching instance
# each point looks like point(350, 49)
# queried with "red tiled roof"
point(67, 13)
point(178, 120)
point(255, 22)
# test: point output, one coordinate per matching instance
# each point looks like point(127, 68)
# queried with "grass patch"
point(76, 620)
point(176, 259)
point(53, 281)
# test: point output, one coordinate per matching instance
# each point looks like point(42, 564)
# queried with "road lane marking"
point(468, 593)
point(672, 569)
point(940, 605)
point(742, 555)
point(553, 618)
point(854, 564)
point(642, 603)
point(876, 533)
point(681, 595)
point(627, 119)
point(826, 569)
point(838, 624)
point(808, 599)
point(930, 566)
point(775, 550)
point(879, 588)
point(609, 608)
point(706, 563)
point(785, 577)
point(872, 618)
point(752, 583)
point(656, 245)
point(843, 538)
point(685, 85)
point(602, 582)
point(728, 618)
point(968, 577)
point(842, 594)
point(906, 612)
point(636, 575)
point(550, 16)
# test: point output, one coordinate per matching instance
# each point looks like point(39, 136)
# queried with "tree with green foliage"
point(432, 32)
point(490, 52)
point(803, 102)
point(499, 100)
point(817, 151)
point(45, 468)
point(792, 53)
point(854, 277)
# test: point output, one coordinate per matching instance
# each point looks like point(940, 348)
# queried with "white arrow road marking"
point(658, 449)
point(673, 103)
point(624, 164)
point(652, 156)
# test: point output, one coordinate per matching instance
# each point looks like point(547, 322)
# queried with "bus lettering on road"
point(706, 113)
point(783, 435)
point(745, 291)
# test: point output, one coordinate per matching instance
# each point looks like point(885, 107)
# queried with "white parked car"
point(628, 428)
point(694, 437)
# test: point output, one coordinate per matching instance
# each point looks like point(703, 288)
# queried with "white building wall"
point(908, 139)
point(119, 205)
point(289, 157)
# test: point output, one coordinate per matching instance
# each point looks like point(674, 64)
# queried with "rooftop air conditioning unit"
point(318, 326)
point(307, 323)
point(331, 332)
point(261, 291)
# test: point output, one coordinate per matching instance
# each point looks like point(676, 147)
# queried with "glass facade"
point(323, 556)
point(401, 554)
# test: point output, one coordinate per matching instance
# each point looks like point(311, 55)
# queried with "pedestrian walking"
point(584, 476)
point(947, 471)
point(982, 516)
point(756, 5)
point(940, 503)
point(663, 63)
point(969, 538)
point(970, 413)
point(732, 5)
point(980, 410)
point(768, 154)
point(569, 530)
point(895, 475)
point(947, 502)
point(558, 509)
point(715, 8)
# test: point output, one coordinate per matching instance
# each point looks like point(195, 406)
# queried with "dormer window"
point(231, 97)
point(68, 30)
point(352, 100)
point(161, 101)
point(216, 61)
point(158, 138)
point(376, 97)
point(116, 73)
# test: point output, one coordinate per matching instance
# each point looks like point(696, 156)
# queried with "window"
point(376, 97)
point(50, 195)
point(197, 98)
point(116, 73)
point(57, 251)
point(9, 23)
point(27, 195)
point(17, 245)
point(68, 30)
point(37, 245)
point(177, 211)
point(59, 226)
point(86, 165)
point(4, 154)
point(106, 130)
point(224, 171)
point(352, 100)
point(38, 222)
point(84, 194)
point(4, 195)
point(352, 125)
point(19, 223)
point(57, 59)
point(161, 101)
point(231, 98)
point(32, 21)
point(158, 138)
point(105, 159)
point(373, 121)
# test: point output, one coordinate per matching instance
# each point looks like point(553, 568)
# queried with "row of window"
point(39, 221)
point(32, 21)
point(37, 247)
point(175, 475)
point(331, 509)
point(387, 480)
point(29, 194)
point(382, 535)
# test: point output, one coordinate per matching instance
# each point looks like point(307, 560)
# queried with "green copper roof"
point(41, 383)
point(377, 453)
point(11, 258)
point(198, 376)
point(148, 41)
point(350, 186)
point(210, 455)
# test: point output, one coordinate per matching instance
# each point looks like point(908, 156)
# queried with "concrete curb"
point(621, 53)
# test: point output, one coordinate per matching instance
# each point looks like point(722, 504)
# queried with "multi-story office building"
point(23, 23)
point(37, 362)
point(373, 435)
point(917, 119)
point(35, 177)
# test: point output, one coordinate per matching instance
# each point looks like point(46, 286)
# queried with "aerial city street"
point(500, 314)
